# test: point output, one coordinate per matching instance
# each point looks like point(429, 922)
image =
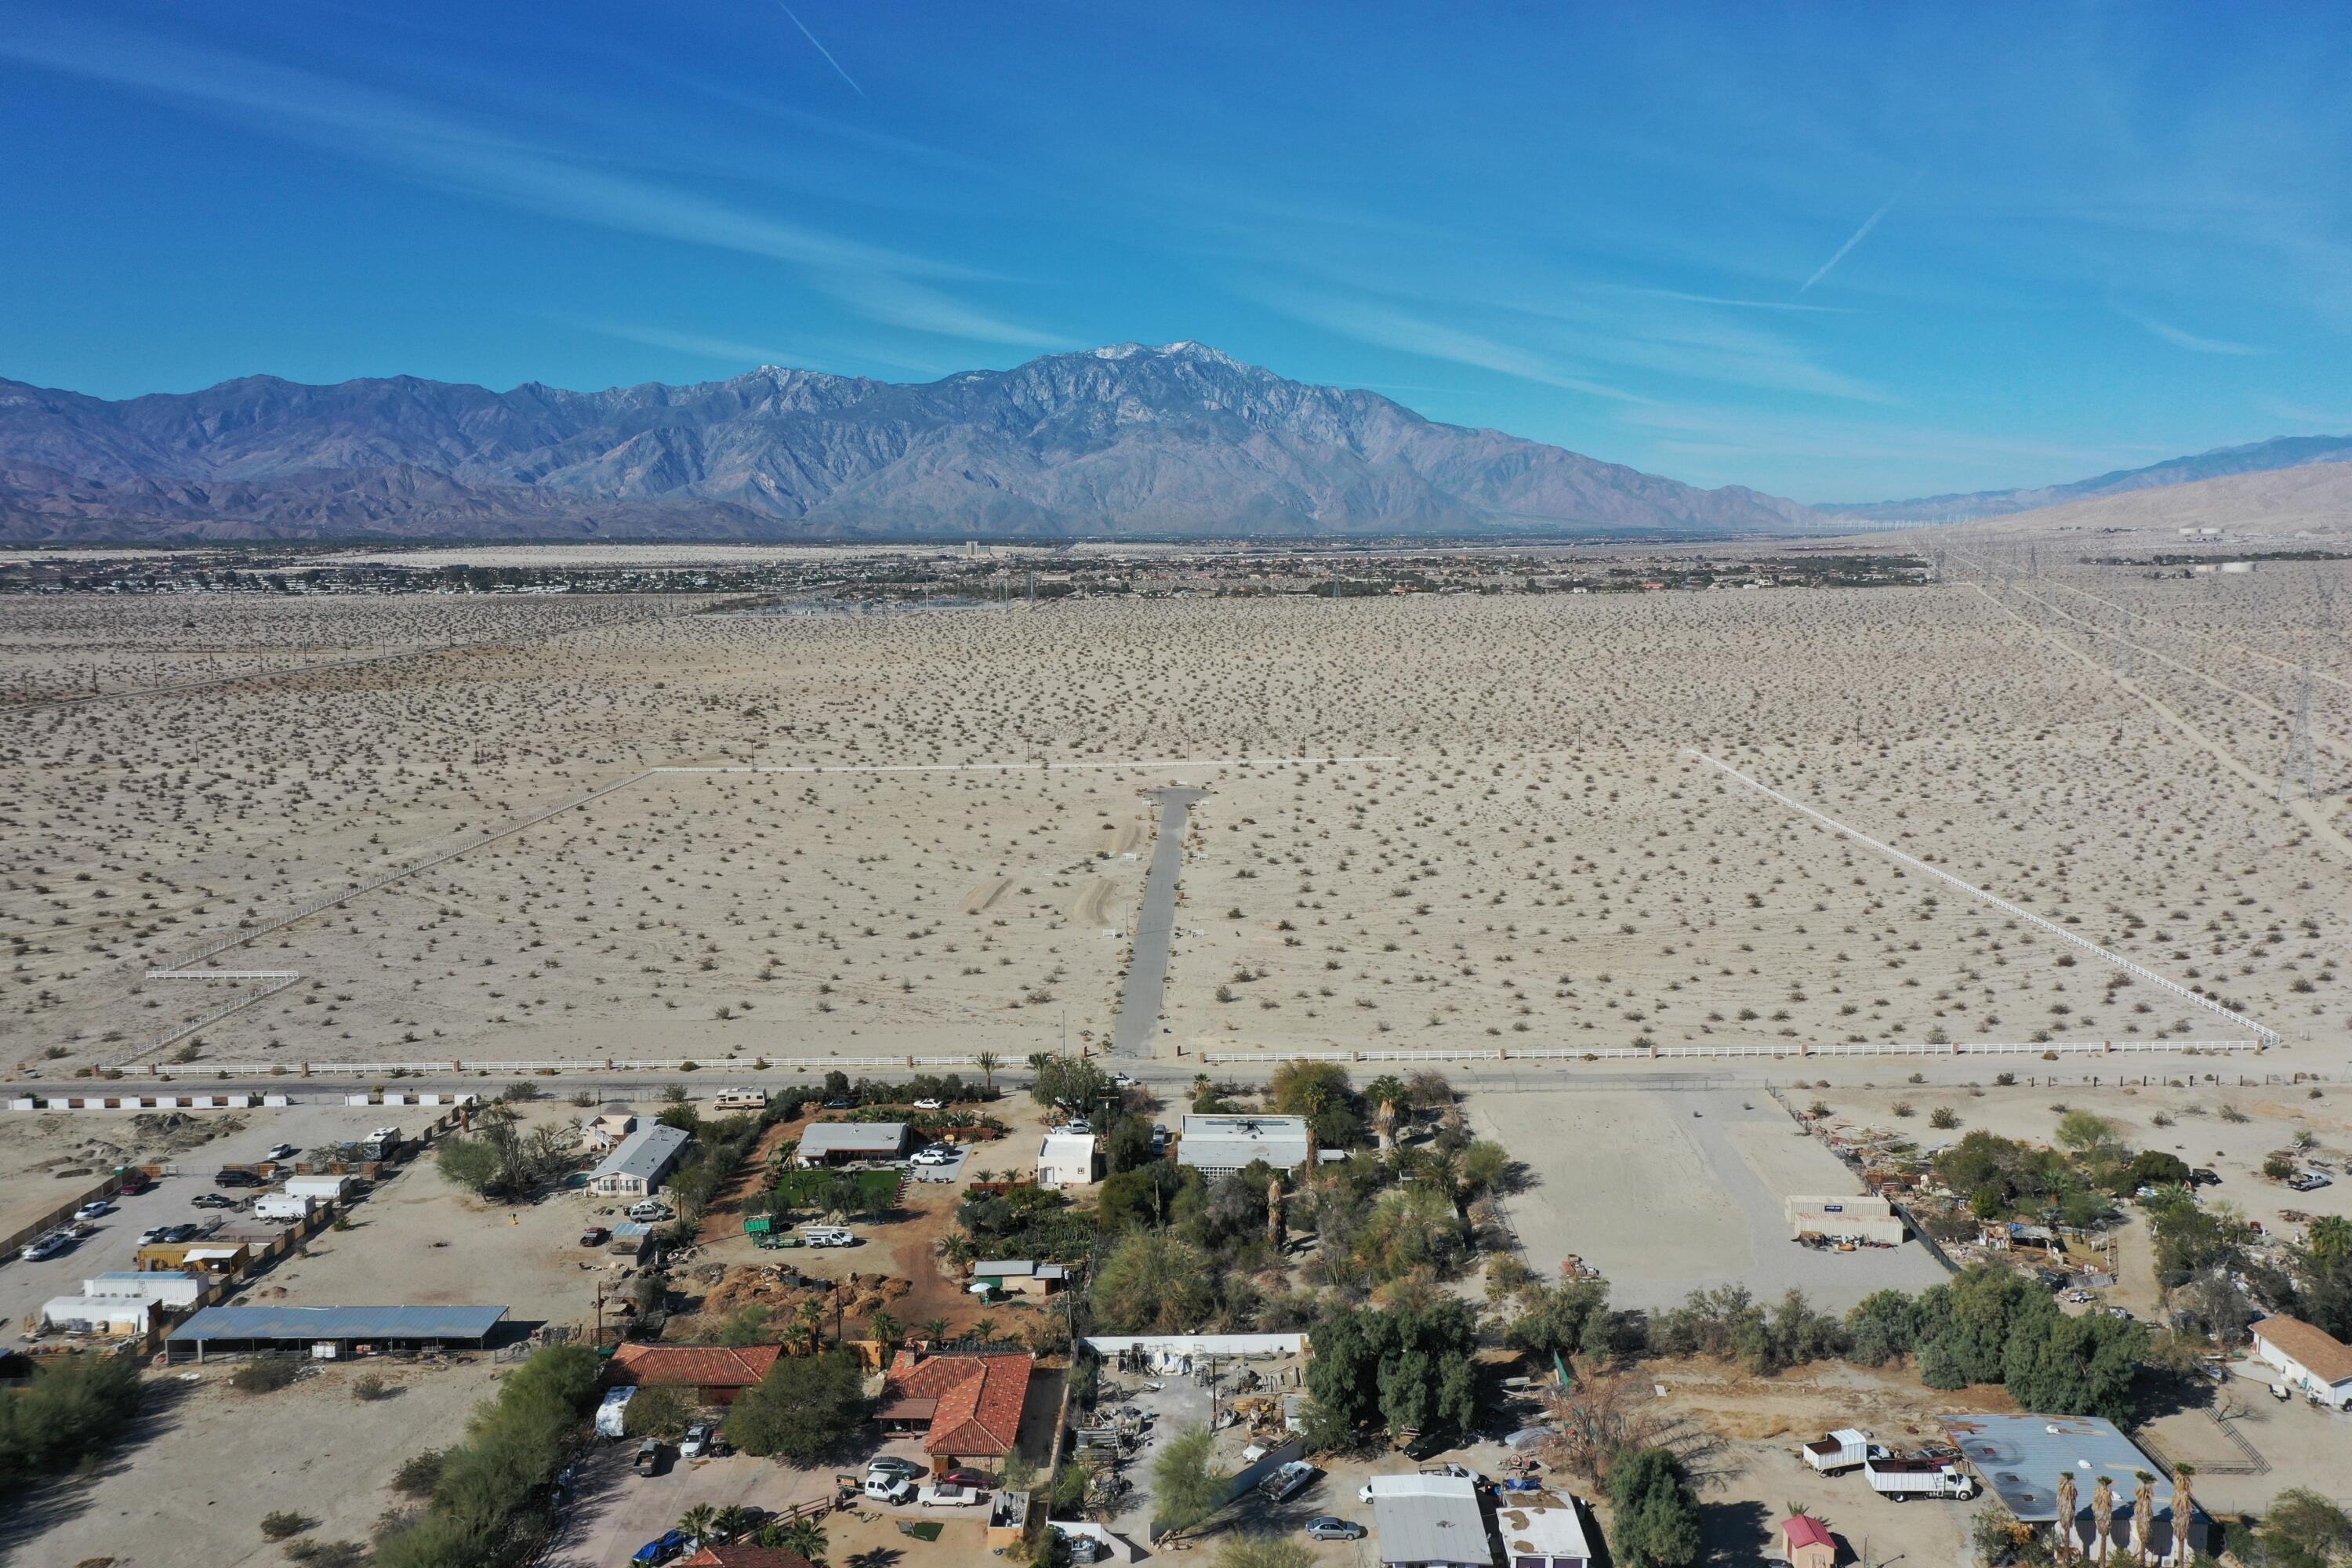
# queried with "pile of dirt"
point(175, 1132)
point(781, 1290)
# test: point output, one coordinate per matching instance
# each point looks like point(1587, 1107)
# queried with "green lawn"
point(877, 1190)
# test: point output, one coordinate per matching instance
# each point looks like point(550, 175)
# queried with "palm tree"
point(887, 1329)
point(732, 1522)
point(984, 1329)
point(2102, 1515)
point(805, 1536)
point(698, 1522)
point(934, 1330)
point(2183, 1510)
point(2143, 1516)
point(988, 1062)
point(2329, 1236)
point(2067, 1511)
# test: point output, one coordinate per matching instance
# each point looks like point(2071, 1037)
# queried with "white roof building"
point(1544, 1531)
point(2308, 1358)
point(98, 1314)
point(635, 1169)
point(170, 1287)
point(1430, 1522)
point(1217, 1144)
point(1067, 1160)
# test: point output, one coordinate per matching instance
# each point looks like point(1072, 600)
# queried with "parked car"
point(2203, 1176)
point(840, 1105)
point(945, 1496)
point(663, 1547)
point(95, 1209)
point(2078, 1297)
point(648, 1211)
point(937, 1155)
point(1288, 1481)
point(137, 1181)
point(967, 1476)
point(888, 1488)
point(181, 1232)
point(595, 1235)
point(1331, 1527)
point(239, 1179)
point(1428, 1445)
point(891, 1465)
point(46, 1247)
point(1077, 1124)
point(154, 1234)
point(1121, 1081)
point(701, 1441)
point(281, 1152)
point(829, 1236)
point(929, 1105)
point(649, 1457)
point(210, 1201)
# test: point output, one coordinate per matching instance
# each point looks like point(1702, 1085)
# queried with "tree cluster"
point(489, 1501)
point(72, 1408)
point(1656, 1522)
point(1401, 1368)
point(804, 1409)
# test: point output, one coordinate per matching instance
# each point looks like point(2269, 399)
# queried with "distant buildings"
point(637, 1168)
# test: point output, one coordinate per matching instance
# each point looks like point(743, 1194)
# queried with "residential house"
point(714, 1374)
point(1430, 1522)
point(1542, 1529)
point(967, 1404)
point(1217, 1145)
point(2309, 1358)
point(636, 1169)
point(1019, 1277)
point(847, 1142)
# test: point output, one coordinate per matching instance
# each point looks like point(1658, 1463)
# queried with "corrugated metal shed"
point(339, 1323)
point(1228, 1142)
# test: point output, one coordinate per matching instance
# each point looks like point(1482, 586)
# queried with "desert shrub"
point(265, 1374)
point(370, 1388)
point(278, 1525)
point(66, 1413)
point(418, 1474)
point(1657, 1518)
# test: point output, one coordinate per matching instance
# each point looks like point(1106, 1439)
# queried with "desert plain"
point(1429, 822)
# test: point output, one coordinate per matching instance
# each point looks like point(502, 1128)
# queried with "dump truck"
point(1841, 1450)
point(1904, 1478)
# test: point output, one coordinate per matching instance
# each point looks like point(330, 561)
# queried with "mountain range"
point(1174, 440)
point(2255, 458)
point(1131, 440)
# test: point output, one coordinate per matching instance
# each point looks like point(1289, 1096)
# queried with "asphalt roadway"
point(1147, 977)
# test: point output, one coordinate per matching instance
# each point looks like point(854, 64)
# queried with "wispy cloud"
point(1383, 325)
point(1852, 240)
point(820, 48)
point(418, 141)
point(1790, 305)
point(701, 345)
point(2181, 339)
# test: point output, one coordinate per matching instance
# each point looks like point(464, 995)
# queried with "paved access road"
point(1147, 977)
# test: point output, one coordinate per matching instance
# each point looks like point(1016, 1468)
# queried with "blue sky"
point(1833, 251)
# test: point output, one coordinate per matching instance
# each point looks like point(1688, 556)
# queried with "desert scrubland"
point(1520, 853)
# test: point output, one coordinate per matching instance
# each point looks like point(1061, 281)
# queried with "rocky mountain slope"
point(1180, 439)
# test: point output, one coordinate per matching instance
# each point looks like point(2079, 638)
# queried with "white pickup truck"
point(1841, 1450)
point(946, 1496)
point(1902, 1479)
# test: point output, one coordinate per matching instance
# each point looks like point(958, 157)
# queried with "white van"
point(828, 1236)
point(889, 1488)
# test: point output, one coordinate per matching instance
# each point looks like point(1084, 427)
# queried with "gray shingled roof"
point(644, 1153)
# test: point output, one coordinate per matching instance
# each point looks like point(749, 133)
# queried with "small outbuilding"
point(170, 1287)
point(1020, 1276)
point(123, 1315)
point(1067, 1160)
point(1806, 1542)
point(1542, 1529)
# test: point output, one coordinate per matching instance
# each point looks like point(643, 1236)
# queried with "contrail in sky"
point(836, 64)
point(1867, 225)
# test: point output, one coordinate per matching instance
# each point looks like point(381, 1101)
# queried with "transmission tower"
point(2126, 650)
point(2325, 587)
point(2297, 771)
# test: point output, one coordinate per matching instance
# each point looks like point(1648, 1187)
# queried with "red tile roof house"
point(745, 1557)
point(968, 1405)
point(716, 1373)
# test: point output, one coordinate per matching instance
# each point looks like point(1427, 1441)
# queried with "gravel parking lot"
point(1671, 1191)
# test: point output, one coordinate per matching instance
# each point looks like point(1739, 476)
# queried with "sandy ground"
point(210, 1461)
point(1541, 865)
point(1673, 1191)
